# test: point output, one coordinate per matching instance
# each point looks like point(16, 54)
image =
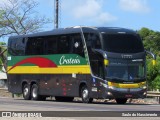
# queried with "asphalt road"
point(10, 104)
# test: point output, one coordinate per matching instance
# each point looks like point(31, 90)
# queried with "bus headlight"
point(104, 85)
point(109, 93)
point(111, 87)
point(144, 87)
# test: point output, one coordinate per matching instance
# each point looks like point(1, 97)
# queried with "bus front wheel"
point(26, 92)
point(85, 95)
point(121, 100)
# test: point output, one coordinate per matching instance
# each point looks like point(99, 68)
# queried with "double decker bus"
point(87, 62)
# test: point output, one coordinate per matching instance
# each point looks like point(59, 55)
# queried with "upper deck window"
point(122, 43)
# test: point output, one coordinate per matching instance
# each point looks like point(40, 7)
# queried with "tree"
point(3, 55)
point(153, 75)
point(151, 40)
point(144, 32)
point(19, 17)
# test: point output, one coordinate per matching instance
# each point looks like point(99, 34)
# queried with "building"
point(3, 79)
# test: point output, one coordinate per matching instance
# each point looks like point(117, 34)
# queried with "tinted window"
point(70, 44)
point(51, 45)
point(35, 46)
point(64, 45)
point(77, 45)
point(92, 40)
point(122, 43)
point(60, 44)
point(16, 46)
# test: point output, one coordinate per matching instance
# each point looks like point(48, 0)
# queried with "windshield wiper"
point(114, 79)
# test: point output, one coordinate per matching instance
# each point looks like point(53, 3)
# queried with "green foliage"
point(153, 75)
point(151, 41)
point(2, 48)
point(2, 43)
point(144, 32)
point(0, 64)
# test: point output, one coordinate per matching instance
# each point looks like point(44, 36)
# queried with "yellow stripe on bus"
point(83, 69)
point(120, 85)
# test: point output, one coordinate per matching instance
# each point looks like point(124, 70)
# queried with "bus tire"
point(26, 92)
point(34, 93)
point(121, 100)
point(85, 95)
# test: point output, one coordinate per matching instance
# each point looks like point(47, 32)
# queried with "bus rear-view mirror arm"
point(103, 53)
point(153, 56)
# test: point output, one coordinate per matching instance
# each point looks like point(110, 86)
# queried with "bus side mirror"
point(153, 56)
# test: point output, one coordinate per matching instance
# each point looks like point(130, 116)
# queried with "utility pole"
point(56, 13)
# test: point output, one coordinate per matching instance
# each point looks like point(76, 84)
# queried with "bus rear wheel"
point(34, 93)
point(85, 95)
point(26, 92)
point(121, 100)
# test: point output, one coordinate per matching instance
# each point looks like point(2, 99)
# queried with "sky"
point(132, 14)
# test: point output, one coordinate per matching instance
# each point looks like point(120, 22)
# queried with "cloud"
point(139, 6)
point(88, 10)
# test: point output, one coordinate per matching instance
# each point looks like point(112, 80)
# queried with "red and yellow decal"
point(45, 66)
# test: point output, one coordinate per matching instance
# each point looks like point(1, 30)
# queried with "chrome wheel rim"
point(26, 90)
point(85, 93)
point(34, 92)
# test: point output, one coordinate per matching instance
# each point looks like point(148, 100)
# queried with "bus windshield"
point(122, 43)
point(127, 72)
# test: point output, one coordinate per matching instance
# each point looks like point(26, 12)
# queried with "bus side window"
point(51, 45)
point(63, 45)
point(77, 45)
point(96, 42)
point(35, 46)
point(12, 46)
point(16, 46)
point(93, 41)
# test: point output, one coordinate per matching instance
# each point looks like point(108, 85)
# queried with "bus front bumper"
point(111, 93)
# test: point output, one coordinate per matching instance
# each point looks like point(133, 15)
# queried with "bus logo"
point(126, 56)
point(64, 61)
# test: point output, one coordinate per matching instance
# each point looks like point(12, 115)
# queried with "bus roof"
point(76, 29)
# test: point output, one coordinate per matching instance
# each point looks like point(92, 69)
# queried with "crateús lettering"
point(65, 61)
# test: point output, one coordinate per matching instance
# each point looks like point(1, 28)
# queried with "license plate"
point(128, 96)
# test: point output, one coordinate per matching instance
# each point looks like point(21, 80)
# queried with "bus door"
point(97, 76)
